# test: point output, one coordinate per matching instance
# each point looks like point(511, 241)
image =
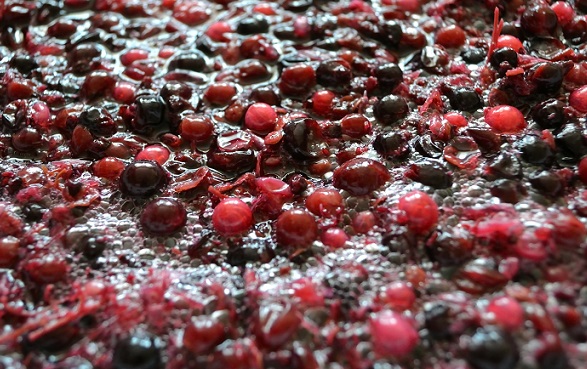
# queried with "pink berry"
point(505, 119)
point(364, 221)
point(124, 92)
point(157, 153)
point(217, 31)
point(197, 128)
point(273, 186)
point(325, 202)
point(305, 290)
point(133, 55)
point(220, 94)
point(400, 296)
point(507, 312)
point(322, 102)
point(456, 119)
point(191, 12)
point(564, 12)
point(421, 211)
point(296, 228)
point(297, 80)
point(578, 99)
point(109, 168)
point(260, 118)
point(40, 115)
point(232, 217)
point(451, 37)
point(392, 334)
point(568, 230)
point(334, 237)
point(509, 41)
point(264, 8)
point(355, 125)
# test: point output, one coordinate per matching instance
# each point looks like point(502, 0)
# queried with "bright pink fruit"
point(421, 211)
point(232, 217)
point(393, 335)
point(507, 312)
point(505, 119)
point(296, 228)
point(260, 118)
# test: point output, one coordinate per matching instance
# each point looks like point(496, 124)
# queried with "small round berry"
point(334, 74)
point(109, 168)
point(456, 119)
point(322, 102)
point(421, 211)
point(8, 251)
point(124, 92)
point(156, 153)
point(361, 176)
point(217, 31)
point(265, 94)
point(142, 179)
point(578, 99)
point(550, 114)
point(252, 25)
point(334, 237)
point(163, 216)
point(511, 42)
point(325, 202)
point(464, 99)
point(564, 12)
point(504, 55)
point(389, 76)
point(296, 228)
point(507, 312)
point(196, 128)
point(505, 119)
point(539, 20)
point(232, 217)
point(260, 118)
point(132, 55)
point(220, 94)
point(399, 295)
point(451, 37)
point(392, 335)
point(297, 80)
point(390, 109)
point(491, 347)
point(355, 125)
point(548, 77)
point(364, 222)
